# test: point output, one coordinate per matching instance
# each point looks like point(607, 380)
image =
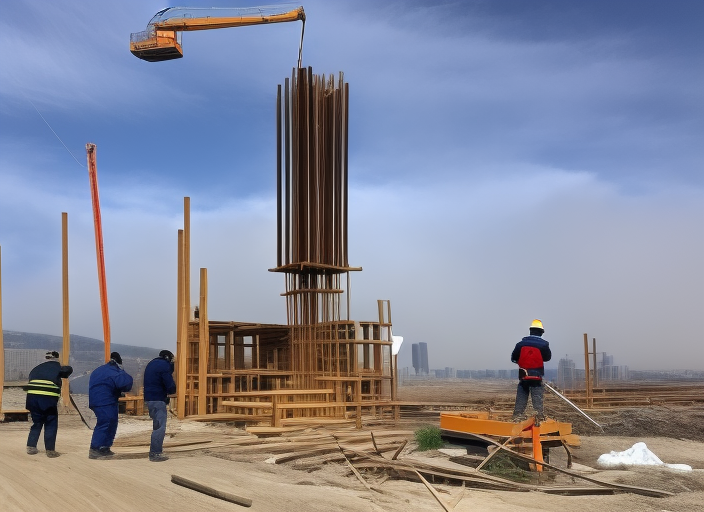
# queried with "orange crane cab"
point(162, 38)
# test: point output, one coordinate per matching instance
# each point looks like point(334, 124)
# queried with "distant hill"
point(30, 340)
point(86, 354)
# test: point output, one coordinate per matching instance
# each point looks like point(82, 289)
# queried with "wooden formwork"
point(320, 366)
point(251, 375)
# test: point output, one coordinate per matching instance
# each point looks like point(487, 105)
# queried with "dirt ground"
point(74, 482)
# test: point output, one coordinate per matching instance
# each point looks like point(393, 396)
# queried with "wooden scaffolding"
point(319, 367)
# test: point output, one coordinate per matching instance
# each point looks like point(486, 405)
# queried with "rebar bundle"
point(312, 122)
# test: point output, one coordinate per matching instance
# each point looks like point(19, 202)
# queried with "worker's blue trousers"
point(526, 387)
point(44, 414)
point(157, 412)
point(106, 426)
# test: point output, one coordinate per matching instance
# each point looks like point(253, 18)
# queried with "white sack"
point(636, 455)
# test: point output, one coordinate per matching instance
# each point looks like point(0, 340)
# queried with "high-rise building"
point(424, 367)
point(565, 373)
point(415, 350)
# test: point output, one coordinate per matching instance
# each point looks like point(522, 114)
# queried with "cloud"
point(506, 162)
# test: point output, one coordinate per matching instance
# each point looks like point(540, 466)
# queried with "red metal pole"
point(93, 176)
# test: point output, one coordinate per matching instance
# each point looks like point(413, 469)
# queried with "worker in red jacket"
point(530, 353)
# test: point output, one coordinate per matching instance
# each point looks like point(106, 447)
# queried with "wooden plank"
point(281, 392)
point(398, 451)
point(246, 404)
point(433, 492)
point(226, 416)
point(232, 498)
point(310, 405)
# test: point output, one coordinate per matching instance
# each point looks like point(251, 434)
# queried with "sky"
point(509, 160)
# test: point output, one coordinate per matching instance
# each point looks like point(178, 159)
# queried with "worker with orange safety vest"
point(530, 353)
point(43, 392)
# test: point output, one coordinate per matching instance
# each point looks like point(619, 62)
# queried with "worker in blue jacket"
point(158, 385)
point(106, 385)
point(529, 354)
point(43, 393)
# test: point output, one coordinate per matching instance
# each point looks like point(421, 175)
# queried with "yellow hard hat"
point(536, 324)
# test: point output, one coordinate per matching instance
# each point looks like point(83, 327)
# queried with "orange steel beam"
point(477, 423)
point(102, 284)
point(537, 447)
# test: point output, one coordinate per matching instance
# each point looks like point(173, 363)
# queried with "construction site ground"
point(227, 458)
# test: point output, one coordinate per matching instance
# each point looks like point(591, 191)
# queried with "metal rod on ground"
point(580, 411)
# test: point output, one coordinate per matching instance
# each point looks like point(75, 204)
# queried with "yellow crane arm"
point(161, 40)
point(183, 21)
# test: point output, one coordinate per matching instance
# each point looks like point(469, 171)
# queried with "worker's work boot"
point(105, 451)
point(32, 450)
point(157, 457)
point(102, 453)
point(519, 419)
point(52, 454)
point(539, 418)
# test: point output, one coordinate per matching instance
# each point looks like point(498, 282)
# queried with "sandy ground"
point(74, 482)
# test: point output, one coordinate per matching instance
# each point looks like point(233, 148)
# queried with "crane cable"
point(300, 47)
point(47, 122)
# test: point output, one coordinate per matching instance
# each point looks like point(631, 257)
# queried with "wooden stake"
point(204, 344)
point(65, 398)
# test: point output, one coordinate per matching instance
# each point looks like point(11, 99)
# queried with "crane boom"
point(161, 40)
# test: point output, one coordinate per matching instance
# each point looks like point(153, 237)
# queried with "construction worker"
point(158, 385)
point(107, 383)
point(43, 392)
point(530, 353)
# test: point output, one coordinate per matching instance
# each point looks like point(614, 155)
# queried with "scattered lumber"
point(655, 493)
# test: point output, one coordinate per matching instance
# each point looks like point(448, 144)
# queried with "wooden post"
point(204, 343)
point(587, 377)
point(187, 255)
point(65, 398)
point(2, 344)
point(179, 296)
point(185, 305)
point(595, 380)
point(181, 335)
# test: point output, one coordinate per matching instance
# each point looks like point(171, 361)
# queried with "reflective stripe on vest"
point(43, 387)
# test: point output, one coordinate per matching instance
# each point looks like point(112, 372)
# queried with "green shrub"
point(428, 438)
